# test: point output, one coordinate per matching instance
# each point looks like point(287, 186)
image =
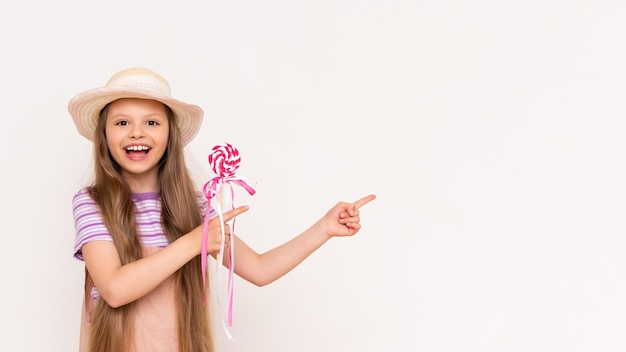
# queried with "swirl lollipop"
point(224, 161)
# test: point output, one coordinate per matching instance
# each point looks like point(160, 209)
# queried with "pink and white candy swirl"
point(224, 160)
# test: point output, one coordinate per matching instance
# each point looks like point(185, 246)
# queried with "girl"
point(139, 224)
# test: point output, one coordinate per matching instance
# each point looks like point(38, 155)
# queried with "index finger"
point(361, 202)
point(232, 213)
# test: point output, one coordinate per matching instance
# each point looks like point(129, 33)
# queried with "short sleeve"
point(87, 223)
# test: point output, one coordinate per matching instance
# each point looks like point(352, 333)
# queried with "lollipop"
point(224, 161)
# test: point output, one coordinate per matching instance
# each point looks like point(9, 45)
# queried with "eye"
point(153, 123)
point(122, 123)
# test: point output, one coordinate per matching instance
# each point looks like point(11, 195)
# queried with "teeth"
point(137, 147)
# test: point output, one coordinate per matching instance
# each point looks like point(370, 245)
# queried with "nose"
point(137, 131)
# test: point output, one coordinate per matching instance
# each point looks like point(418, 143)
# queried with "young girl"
point(139, 224)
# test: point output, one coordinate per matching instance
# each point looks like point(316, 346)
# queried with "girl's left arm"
point(261, 269)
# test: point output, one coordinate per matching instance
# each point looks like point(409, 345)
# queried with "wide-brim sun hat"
point(136, 82)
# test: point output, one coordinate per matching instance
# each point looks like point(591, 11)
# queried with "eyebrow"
point(122, 114)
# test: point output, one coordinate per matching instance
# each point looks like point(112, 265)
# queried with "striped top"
point(90, 227)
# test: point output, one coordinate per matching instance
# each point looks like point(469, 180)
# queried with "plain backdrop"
point(492, 132)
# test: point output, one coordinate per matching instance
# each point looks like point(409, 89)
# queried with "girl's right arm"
point(121, 284)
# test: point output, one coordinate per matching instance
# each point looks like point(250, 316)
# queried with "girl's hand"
point(214, 234)
point(343, 219)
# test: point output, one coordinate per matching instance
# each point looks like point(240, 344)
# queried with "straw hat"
point(133, 83)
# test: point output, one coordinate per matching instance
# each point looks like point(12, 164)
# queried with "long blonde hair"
point(180, 214)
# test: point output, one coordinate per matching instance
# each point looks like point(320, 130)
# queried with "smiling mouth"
point(137, 150)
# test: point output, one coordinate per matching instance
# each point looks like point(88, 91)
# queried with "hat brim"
point(85, 109)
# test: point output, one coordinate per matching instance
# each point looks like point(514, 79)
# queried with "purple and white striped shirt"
point(90, 227)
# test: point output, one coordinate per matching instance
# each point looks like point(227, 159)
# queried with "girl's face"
point(137, 131)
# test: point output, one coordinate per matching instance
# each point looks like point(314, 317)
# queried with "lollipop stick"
point(220, 255)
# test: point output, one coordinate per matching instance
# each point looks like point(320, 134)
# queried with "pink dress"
point(155, 326)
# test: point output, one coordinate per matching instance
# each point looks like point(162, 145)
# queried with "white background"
point(492, 133)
